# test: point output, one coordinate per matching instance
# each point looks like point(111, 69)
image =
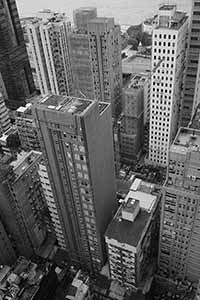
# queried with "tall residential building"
point(80, 58)
point(51, 204)
point(193, 52)
point(179, 253)
point(49, 43)
point(26, 128)
point(168, 52)
point(5, 123)
point(196, 99)
point(25, 279)
point(3, 88)
point(22, 204)
point(24, 22)
point(14, 63)
point(105, 51)
point(132, 237)
point(79, 288)
point(132, 122)
point(76, 139)
point(7, 253)
point(81, 17)
point(81, 65)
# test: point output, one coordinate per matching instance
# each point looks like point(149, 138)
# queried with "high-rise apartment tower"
point(22, 204)
point(105, 51)
point(5, 123)
point(76, 139)
point(179, 253)
point(14, 64)
point(168, 59)
point(193, 52)
point(49, 44)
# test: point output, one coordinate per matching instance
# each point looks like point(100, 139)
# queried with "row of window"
point(165, 36)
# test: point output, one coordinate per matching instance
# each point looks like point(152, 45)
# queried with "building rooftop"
point(24, 161)
point(25, 111)
point(103, 106)
point(175, 18)
point(147, 201)
point(79, 287)
point(125, 231)
point(7, 133)
point(21, 281)
point(47, 17)
point(186, 139)
point(68, 104)
point(151, 21)
point(167, 6)
point(137, 63)
point(138, 81)
point(131, 205)
point(73, 105)
point(85, 9)
point(139, 58)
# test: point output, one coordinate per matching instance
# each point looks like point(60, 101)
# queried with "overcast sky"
point(124, 11)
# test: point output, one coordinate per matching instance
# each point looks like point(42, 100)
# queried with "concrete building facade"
point(76, 139)
point(14, 63)
point(26, 128)
point(51, 204)
point(29, 50)
point(132, 122)
point(179, 253)
point(81, 17)
point(3, 88)
point(7, 253)
point(105, 51)
point(193, 53)
point(81, 65)
point(49, 43)
point(22, 205)
point(196, 100)
point(80, 58)
point(169, 43)
point(5, 123)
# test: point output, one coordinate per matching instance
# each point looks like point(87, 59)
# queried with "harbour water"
point(124, 11)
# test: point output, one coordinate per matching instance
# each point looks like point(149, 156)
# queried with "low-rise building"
point(80, 288)
point(27, 280)
point(132, 237)
point(9, 141)
point(136, 63)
